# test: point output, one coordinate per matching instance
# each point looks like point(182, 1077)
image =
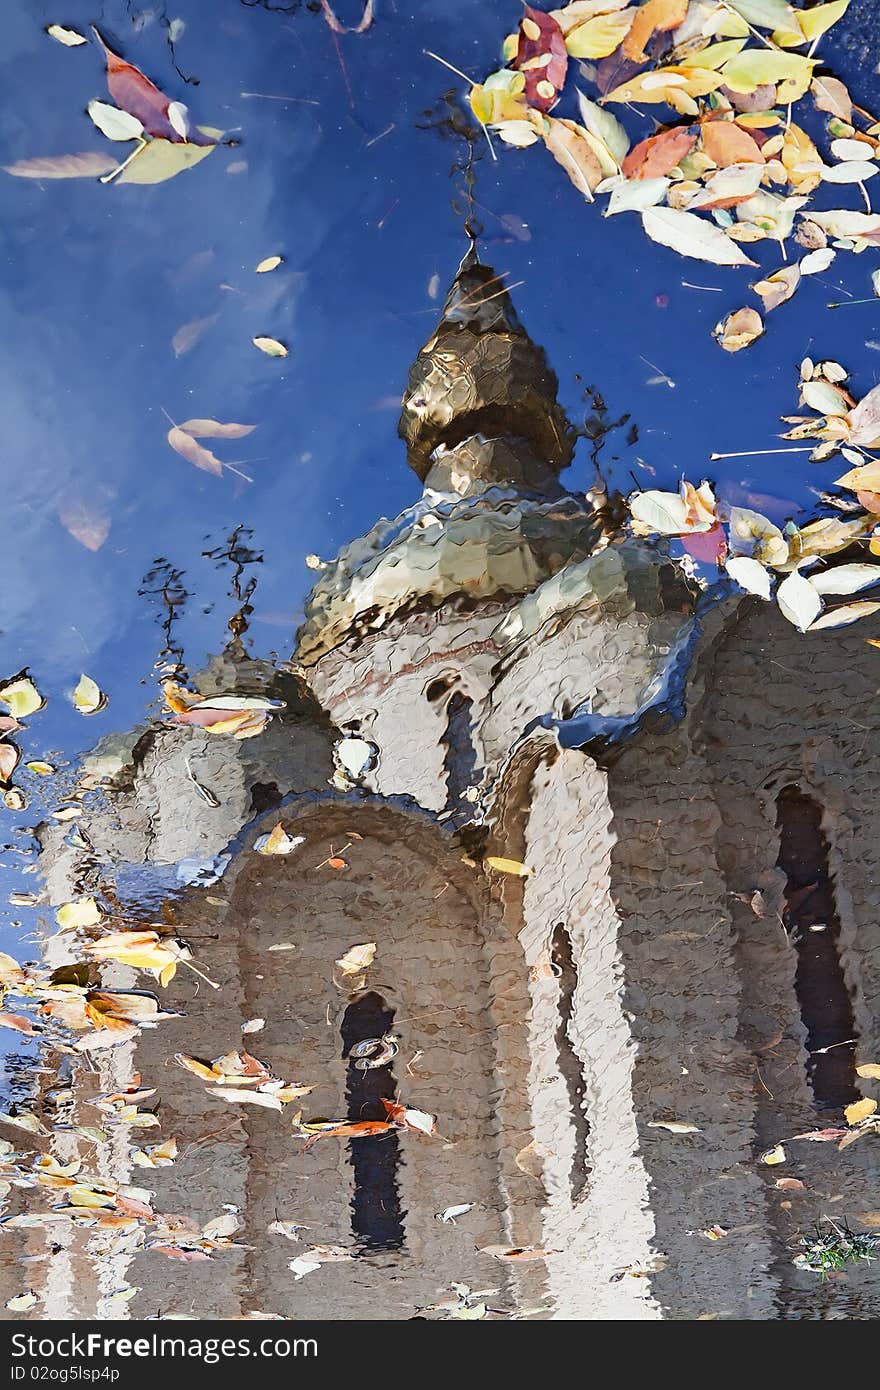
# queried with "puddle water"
point(573, 909)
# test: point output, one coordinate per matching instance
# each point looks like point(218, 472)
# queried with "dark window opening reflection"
point(569, 1063)
point(812, 923)
point(376, 1215)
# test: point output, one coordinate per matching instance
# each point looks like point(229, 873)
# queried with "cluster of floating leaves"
point(729, 166)
point(21, 699)
point(165, 141)
point(765, 559)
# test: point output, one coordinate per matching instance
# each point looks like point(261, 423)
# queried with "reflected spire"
point(480, 406)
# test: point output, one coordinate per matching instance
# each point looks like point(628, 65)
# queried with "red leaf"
point(658, 156)
point(136, 94)
point(174, 1252)
point(547, 55)
point(708, 546)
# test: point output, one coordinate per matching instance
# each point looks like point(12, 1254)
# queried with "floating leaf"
point(845, 579)
point(134, 92)
point(830, 94)
point(569, 146)
point(507, 866)
point(659, 154)
point(270, 346)
point(115, 124)
point(778, 287)
point(90, 165)
point(851, 171)
point(9, 756)
point(21, 1302)
point(517, 1252)
point(798, 601)
point(88, 697)
point(634, 196)
point(213, 429)
point(357, 958)
point(160, 159)
point(654, 16)
point(195, 453)
point(773, 1156)
point(231, 1093)
point(869, 1070)
point(598, 37)
point(859, 1110)
point(789, 1185)
point(739, 329)
point(69, 37)
point(675, 1126)
point(21, 696)
point(749, 575)
point(338, 27)
point(817, 261)
point(689, 235)
point(452, 1212)
point(82, 912)
point(270, 263)
point(278, 841)
point(844, 615)
point(727, 143)
point(605, 126)
point(818, 20)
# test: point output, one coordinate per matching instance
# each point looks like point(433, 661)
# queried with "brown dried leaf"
point(90, 165)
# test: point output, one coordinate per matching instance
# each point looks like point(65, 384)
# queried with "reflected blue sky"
point(342, 178)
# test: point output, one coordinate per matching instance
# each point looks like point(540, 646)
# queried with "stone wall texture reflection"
point(459, 642)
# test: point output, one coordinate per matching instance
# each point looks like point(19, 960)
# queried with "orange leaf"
point(656, 14)
point(19, 1022)
point(727, 143)
point(348, 1129)
point(658, 156)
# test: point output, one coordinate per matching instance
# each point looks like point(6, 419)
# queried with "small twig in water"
point(754, 453)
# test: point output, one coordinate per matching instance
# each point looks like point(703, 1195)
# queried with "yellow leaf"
point(82, 912)
point(88, 697)
point(508, 866)
point(358, 958)
point(871, 1070)
point(159, 160)
point(270, 346)
point(598, 37)
point(773, 1156)
point(863, 479)
point(500, 98)
point(41, 769)
point(21, 697)
point(755, 67)
point(859, 1110)
point(270, 263)
point(739, 329)
point(664, 83)
point(816, 22)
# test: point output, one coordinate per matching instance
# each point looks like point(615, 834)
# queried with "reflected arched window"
point(570, 1068)
point(813, 926)
point(376, 1216)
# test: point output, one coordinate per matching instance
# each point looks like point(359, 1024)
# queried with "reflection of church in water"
point(529, 688)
